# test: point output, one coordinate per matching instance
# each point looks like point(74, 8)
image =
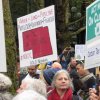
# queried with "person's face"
point(73, 62)
point(32, 70)
point(62, 81)
point(80, 70)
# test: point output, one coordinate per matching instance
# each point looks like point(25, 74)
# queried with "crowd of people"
point(63, 79)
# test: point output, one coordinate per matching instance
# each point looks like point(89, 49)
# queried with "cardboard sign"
point(79, 52)
point(3, 66)
point(37, 37)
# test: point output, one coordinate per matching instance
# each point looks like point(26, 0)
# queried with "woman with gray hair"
point(33, 84)
point(62, 87)
point(5, 84)
point(29, 95)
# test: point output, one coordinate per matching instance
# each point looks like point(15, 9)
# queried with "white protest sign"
point(79, 52)
point(37, 37)
point(3, 67)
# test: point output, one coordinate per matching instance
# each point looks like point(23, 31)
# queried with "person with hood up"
point(5, 84)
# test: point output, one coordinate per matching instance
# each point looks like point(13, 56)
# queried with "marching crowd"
point(63, 79)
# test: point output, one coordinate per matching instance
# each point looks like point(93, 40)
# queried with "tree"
point(70, 20)
point(67, 25)
point(10, 44)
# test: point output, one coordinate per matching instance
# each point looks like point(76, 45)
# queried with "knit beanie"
point(49, 74)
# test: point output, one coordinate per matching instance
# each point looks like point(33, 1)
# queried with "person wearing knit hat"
point(49, 73)
point(56, 65)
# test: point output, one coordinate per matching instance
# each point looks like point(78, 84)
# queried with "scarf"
point(55, 96)
point(88, 76)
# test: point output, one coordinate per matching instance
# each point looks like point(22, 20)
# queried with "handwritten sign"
point(79, 52)
point(37, 37)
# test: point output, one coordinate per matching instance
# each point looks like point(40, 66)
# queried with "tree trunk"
point(62, 14)
point(10, 44)
point(35, 5)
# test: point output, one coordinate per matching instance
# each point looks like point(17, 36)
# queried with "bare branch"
point(76, 21)
point(75, 33)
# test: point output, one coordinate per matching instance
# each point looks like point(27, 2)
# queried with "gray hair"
point(5, 96)
point(60, 72)
point(29, 95)
point(36, 85)
point(5, 82)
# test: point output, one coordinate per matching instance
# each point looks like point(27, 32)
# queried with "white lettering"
point(90, 22)
point(94, 8)
point(97, 29)
point(96, 17)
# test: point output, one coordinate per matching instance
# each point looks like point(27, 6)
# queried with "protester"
point(87, 78)
point(63, 61)
point(26, 84)
point(93, 94)
point(33, 84)
point(32, 72)
point(62, 57)
point(62, 87)
point(71, 52)
point(56, 65)
point(74, 75)
point(72, 65)
point(29, 95)
point(47, 77)
point(48, 74)
point(5, 84)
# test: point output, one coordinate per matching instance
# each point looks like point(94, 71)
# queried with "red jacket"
point(55, 96)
